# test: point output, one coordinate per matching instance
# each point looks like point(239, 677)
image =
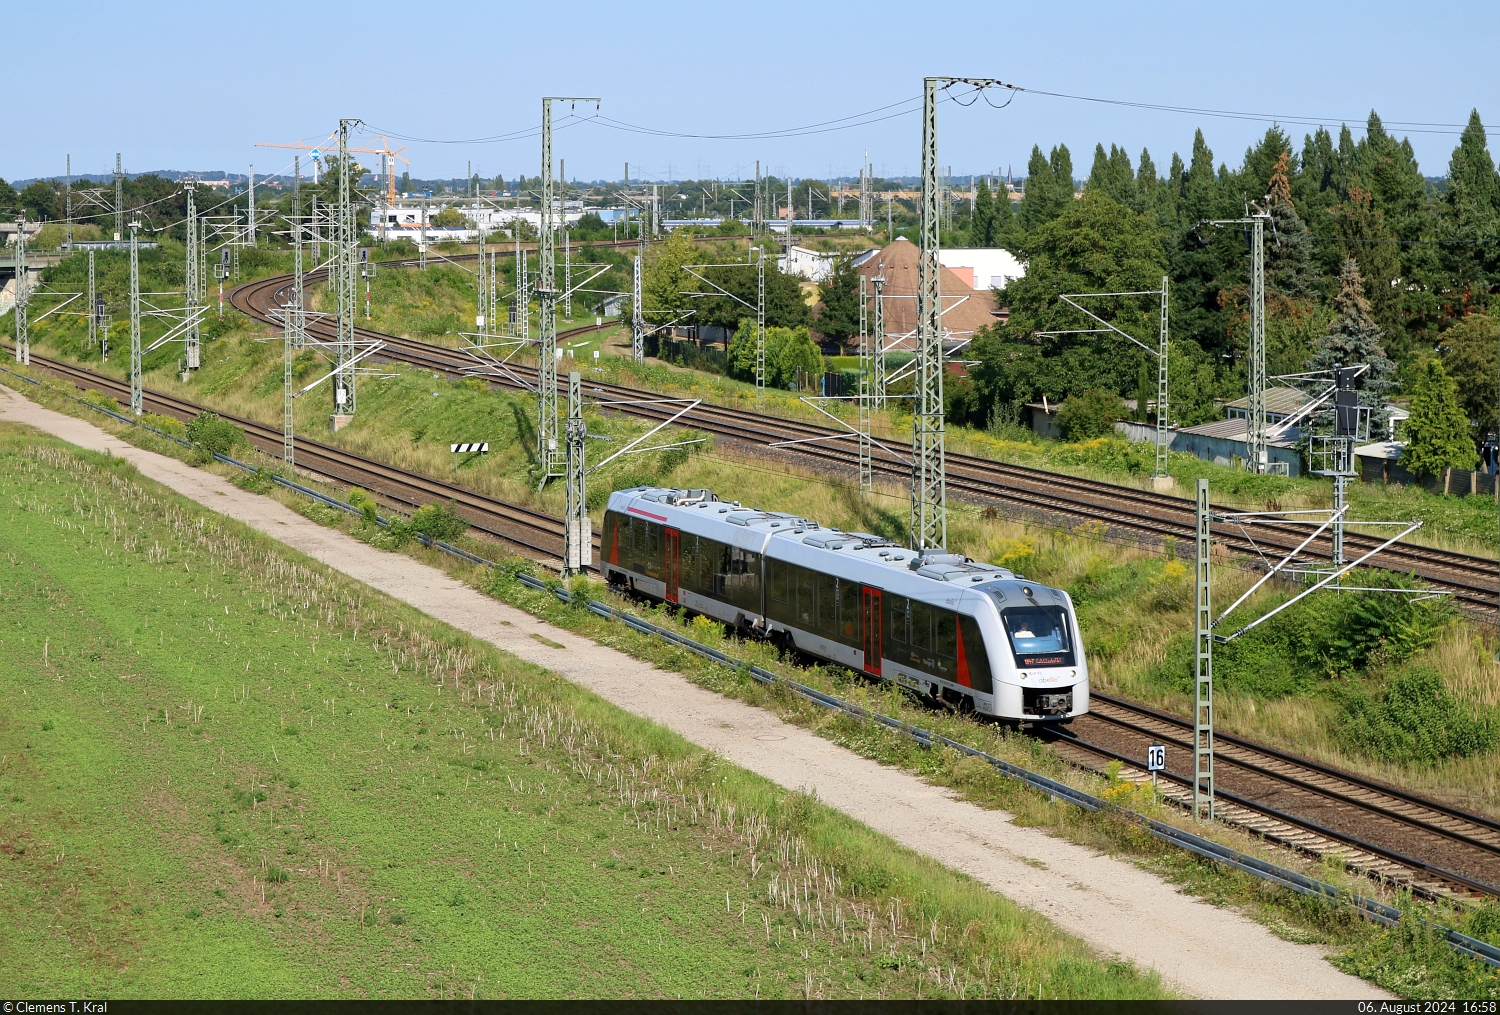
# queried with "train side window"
point(894, 628)
point(921, 625)
point(827, 602)
point(806, 607)
point(975, 655)
point(947, 634)
point(849, 612)
point(780, 580)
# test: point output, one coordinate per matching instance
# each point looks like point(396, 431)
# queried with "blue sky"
point(96, 78)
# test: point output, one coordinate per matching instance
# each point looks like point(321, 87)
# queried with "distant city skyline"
point(675, 70)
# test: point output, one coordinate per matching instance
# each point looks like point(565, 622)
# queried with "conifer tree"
point(982, 233)
point(1437, 434)
point(1473, 199)
point(1353, 337)
point(1289, 268)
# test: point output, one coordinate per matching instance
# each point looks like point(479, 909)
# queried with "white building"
point(983, 267)
point(404, 218)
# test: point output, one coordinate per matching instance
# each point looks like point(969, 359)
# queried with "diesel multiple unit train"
point(972, 635)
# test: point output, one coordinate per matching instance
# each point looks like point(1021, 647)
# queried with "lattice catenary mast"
point(135, 318)
point(23, 325)
point(191, 290)
point(346, 281)
point(550, 456)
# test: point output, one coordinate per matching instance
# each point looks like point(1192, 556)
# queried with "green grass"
point(228, 772)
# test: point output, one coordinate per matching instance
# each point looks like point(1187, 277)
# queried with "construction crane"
point(390, 154)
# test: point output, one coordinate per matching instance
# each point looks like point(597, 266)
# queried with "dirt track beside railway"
point(1112, 904)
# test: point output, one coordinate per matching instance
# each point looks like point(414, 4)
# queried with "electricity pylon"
point(190, 288)
point(549, 455)
point(135, 318)
point(23, 326)
point(250, 211)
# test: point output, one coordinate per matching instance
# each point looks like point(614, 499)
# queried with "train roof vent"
point(834, 540)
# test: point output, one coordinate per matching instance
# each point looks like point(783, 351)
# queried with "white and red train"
point(974, 635)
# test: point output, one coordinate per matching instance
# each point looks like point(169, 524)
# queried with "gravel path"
point(1112, 904)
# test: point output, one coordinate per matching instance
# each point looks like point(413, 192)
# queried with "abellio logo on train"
point(1042, 661)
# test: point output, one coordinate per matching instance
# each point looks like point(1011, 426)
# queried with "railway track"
point(1435, 849)
point(1382, 831)
point(1142, 514)
point(531, 533)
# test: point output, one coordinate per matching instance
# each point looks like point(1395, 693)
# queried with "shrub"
point(214, 436)
point(1417, 719)
point(362, 500)
point(1172, 587)
point(438, 521)
point(1089, 415)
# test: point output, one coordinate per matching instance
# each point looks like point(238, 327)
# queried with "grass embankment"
point(1407, 961)
point(435, 305)
point(303, 788)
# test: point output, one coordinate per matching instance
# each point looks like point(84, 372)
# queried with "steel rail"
point(1409, 862)
point(487, 514)
point(1155, 515)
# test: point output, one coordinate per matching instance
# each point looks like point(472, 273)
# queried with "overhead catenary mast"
point(190, 290)
point(23, 329)
point(550, 454)
point(250, 212)
point(346, 282)
point(119, 201)
point(135, 318)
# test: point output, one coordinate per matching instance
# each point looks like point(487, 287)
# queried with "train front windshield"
point(1038, 635)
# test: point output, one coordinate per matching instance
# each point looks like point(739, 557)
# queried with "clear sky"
point(194, 87)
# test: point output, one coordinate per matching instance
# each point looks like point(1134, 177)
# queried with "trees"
point(785, 306)
point(7, 198)
point(1089, 415)
point(1096, 245)
point(1473, 205)
point(664, 282)
point(1049, 187)
point(1353, 337)
point(1472, 347)
point(40, 201)
point(1437, 434)
point(982, 233)
point(448, 218)
point(838, 317)
point(787, 351)
point(1289, 269)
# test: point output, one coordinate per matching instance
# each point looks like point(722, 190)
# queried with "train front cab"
point(1037, 655)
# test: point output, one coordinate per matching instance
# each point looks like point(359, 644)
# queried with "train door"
point(871, 609)
point(673, 569)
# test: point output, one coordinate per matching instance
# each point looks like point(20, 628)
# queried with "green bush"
point(214, 436)
point(1324, 635)
point(438, 521)
point(1417, 719)
point(1089, 415)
